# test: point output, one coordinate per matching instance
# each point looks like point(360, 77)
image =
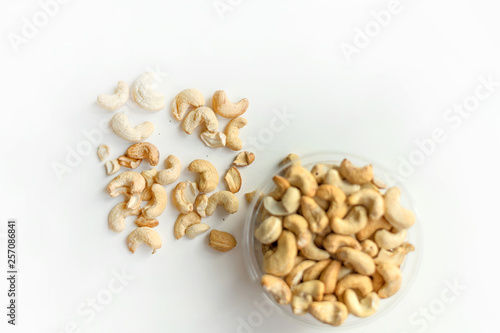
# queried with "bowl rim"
point(410, 270)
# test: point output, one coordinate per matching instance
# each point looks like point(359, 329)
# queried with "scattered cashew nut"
point(144, 150)
point(121, 126)
point(157, 204)
point(223, 107)
point(103, 152)
point(209, 178)
point(196, 229)
point(143, 235)
point(183, 222)
point(244, 158)
point(225, 198)
point(145, 95)
point(213, 140)
point(117, 215)
point(117, 100)
point(185, 99)
point(198, 116)
point(171, 173)
point(233, 179)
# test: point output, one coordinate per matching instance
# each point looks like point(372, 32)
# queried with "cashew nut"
point(355, 175)
point(311, 251)
point(224, 198)
point(324, 204)
point(355, 220)
point(221, 241)
point(143, 235)
point(359, 261)
point(198, 116)
point(305, 293)
point(158, 202)
point(129, 162)
point(223, 107)
point(196, 229)
point(333, 243)
point(289, 203)
point(329, 276)
point(233, 179)
point(144, 150)
point(395, 256)
point(121, 126)
point(184, 195)
point(314, 272)
point(171, 173)
point(328, 312)
point(117, 215)
point(303, 179)
point(299, 226)
point(280, 262)
point(343, 272)
point(149, 178)
point(145, 95)
point(213, 140)
point(371, 200)
point(183, 222)
point(185, 99)
point(295, 276)
point(397, 216)
point(319, 171)
point(278, 288)
point(103, 152)
point(371, 227)
point(377, 281)
point(269, 230)
point(333, 178)
point(145, 222)
point(232, 132)
point(392, 278)
point(209, 178)
point(244, 158)
point(336, 197)
point(315, 216)
point(112, 167)
point(117, 100)
point(201, 203)
point(281, 186)
point(360, 283)
point(370, 248)
point(364, 307)
point(130, 182)
point(389, 240)
point(291, 158)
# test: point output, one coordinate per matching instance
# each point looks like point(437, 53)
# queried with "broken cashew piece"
point(149, 178)
point(221, 241)
point(295, 276)
point(171, 173)
point(117, 100)
point(145, 222)
point(209, 178)
point(117, 215)
point(277, 287)
point(397, 216)
point(280, 262)
point(129, 162)
point(364, 307)
point(371, 200)
point(185, 99)
point(301, 178)
point(213, 140)
point(289, 204)
point(196, 229)
point(314, 214)
point(328, 312)
point(121, 126)
point(225, 198)
point(143, 235)
point(233, 179)
point(223, 107)
point(201, 204)
point(184, 196)
point(130, 182)
point(232, 132)
point(112, 167)
point(198, 116)
point(244, 158)
point(144, 150)
point(269, 230)
point(183, 222)
point(356, 175)
point(304, 294)
point(281, 186)
point(103, 152)
point(157, 204)
point(145, 95)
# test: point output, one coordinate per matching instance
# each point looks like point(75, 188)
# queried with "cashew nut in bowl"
point(121, 126)
point(360, 283)
point(319, 171)
point(359, 261)
point(225, 198)
point(392, 278)
point(143, 235)
point(196, 229)
point(397, 216)
point(201, 204)
point(295, 276)
point(130, 182)
point(311, 251)
point(355, 220)
point(144, 150)
point(232, 132)
point(314, 214)
point(117, 215)
point(269, 230)
point(304, 294)
point(117, 100)
point(371, 200)
point(395, 257)
point(171, 173)
point(355, 175)
point(145, 95)
point(129, 162)
point(364, 307)
point(149, 178)
point(183, 222)
point(198, 116)
point(185, 99)
point(158, 202)
point(329, 276)
point(314, 272)
point(370, 248)
point(280, 262)
point(223, 107)
point(328, 312)
point(289, 204)
point(332, 243)
point(209, 178)
point(389, 240)
point(281, 186)
point(213, 140)
point(184, 196)
point(371, 227)
point(299, 226)
point(299, 177)
point(278, 288)
point(333, 178)
point(336, 198)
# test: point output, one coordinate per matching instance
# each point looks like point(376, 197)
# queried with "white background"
point(282, 56)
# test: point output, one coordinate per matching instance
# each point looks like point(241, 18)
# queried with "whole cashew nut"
point(185, 99)
point(364, 307)
point(225, 198)
point(355, 220)
point(371, 227)
point(355, 175)
point(314, 214)
point(121, 126)
point(332, 243)
point(370, 248)
point(360, 283)
point(198, 116)
point(301, 178)
point(314, 272)
point(115, 101)
point(328, 312)
point(371, 200)
point(389, 240)
point(171, 173)
point(223, 107)
point(333, 178)
point(143, 235)
point(117, 215)
point(158, 202)
point(183, 222)
point(299, 226)
point(392, 278)
point(130, 182)
point(209, 178)
point(145, 96)
point(232, 132)
point(269, 230)
point(280, 262)
point(329, 276)
point(281, 186)
point(319, 171)
point(359, 261)
point(311, 251)
point(397, 216)
point(395, 257)
point(196, 229)
point(278, 288)
point(184, 196)
point(305, 293)
point(296, 274)
point(144, 150)
point(289, 204)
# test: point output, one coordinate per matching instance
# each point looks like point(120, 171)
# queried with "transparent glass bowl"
point(254, 258)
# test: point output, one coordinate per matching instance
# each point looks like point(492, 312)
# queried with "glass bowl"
point(254, 258)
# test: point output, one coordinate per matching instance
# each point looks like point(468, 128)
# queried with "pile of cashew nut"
point(333, 240)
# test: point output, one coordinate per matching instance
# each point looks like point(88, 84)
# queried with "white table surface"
point(286, 58)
